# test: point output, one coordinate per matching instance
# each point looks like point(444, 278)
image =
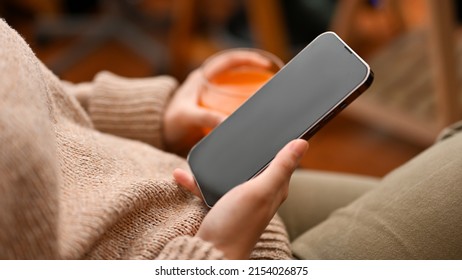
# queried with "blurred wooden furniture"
point(130, 23)
point(416, 89)
point(118, 20)
point(268, 26)
point(49, 7)
point(188, 48)
point(442, 47)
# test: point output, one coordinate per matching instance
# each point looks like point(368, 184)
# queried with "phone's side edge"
point(194, 177)
point(355, 93)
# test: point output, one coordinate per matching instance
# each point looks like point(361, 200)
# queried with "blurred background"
point(413, 46)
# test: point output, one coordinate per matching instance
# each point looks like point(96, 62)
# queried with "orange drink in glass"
point(232, 76)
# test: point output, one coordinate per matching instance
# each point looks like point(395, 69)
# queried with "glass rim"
point(271, 57)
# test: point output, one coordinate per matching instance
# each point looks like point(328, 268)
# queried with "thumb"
point(283, 165)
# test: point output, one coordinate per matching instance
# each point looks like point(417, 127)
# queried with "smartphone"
point(304, 95)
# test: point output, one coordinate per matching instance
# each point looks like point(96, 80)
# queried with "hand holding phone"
point(304, 95)
point(237, 221)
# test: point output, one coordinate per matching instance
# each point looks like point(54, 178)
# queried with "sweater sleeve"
point(28, 170)
point(273, 245)
point(274, 242)
point(128, 107)
point(190, 248)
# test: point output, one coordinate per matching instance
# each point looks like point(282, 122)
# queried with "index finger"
point(186, 180)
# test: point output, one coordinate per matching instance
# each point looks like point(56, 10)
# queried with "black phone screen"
point(295, 100)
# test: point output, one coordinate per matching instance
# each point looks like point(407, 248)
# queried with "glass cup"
point(230, 77)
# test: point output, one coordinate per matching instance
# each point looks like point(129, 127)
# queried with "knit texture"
point(82, 173)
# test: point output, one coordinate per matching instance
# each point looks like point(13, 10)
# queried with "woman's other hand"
point(184, 118)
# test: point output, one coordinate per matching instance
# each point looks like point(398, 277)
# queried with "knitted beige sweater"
point(73, 186)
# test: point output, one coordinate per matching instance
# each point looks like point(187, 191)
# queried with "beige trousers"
point(415, 212)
